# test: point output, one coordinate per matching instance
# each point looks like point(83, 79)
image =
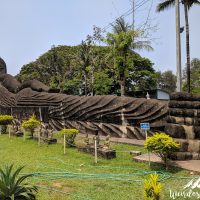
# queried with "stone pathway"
point(191, 165)
point(119, 140)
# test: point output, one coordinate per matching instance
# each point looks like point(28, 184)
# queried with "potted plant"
point(4, 121)
point(30, 125)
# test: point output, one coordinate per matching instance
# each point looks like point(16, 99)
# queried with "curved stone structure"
point(3, 69)
point(117, 116)
point(110, 115)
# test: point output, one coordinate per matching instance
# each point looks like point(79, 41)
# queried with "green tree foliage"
point(70, 135)
point(124, 41)
point(141, 75)
point(152, 188)
point(90, 69)
point(195, 76)
point(102, 83)
point(31, 124)
point(12, 185)
point(5, 119)
point(166, 81)
point(162, 145)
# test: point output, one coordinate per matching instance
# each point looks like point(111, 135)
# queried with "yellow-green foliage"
point(5, 119)
point(152, 188)
point(70, 135)
point(68, 131)
point(161, 144)
point(31, 123)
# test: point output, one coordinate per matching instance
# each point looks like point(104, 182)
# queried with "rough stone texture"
point(10, 83)
point(34, 85)
point(184, 123)
point(3, 69)
point(104, 153)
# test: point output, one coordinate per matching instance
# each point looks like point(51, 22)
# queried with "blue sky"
point(30, 27)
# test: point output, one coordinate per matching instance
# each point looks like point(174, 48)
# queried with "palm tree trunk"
point(187, 46)
point(85, 77)
point(92, 82)
point(122, 85)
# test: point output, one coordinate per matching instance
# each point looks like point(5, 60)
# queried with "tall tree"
point(123, 41)
point(187, 5)
point(195, 76)
point(166, 81)
point(85, 61)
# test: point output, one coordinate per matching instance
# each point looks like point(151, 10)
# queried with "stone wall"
point(183, 123)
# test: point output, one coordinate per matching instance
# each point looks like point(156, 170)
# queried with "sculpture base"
point(46, 140)
point(102, 152)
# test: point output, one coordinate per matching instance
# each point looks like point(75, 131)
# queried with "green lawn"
point(75, 176)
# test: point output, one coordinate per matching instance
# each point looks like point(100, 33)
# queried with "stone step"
point(185, 156)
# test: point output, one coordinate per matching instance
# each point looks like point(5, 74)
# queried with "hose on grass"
point(136, 176)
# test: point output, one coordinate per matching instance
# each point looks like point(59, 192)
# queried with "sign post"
point(146, 126)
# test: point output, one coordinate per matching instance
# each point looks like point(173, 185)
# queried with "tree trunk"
point(187, 46)
point(122, 85)
point(92, 82)
point(85, 77)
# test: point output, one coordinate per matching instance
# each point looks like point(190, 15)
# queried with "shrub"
point(31, 124)
point(70, 135)
point(5, 119)
point(12, 186)
point(152, 188)
point(161, 144)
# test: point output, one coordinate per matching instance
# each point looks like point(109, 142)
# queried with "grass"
point(75, 184)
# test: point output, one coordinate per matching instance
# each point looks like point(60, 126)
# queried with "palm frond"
point(165, 5)
point(143, 45)
point(191, 3)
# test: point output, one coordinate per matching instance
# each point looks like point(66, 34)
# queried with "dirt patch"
point(57, 185)
point(67, 189)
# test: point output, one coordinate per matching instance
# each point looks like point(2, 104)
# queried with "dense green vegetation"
point(109, 180)
point(65, 68)
point(112, 68)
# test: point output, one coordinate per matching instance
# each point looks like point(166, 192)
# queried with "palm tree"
point(187, 5)
point(12, 186)
point(124, 41)
point(137, 44)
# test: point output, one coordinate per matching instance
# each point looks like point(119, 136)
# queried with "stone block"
point(135, 153)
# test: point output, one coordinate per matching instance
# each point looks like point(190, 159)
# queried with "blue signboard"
point(145, 126)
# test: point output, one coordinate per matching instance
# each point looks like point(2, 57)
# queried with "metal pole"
point(178, 49)
point(148, 150)
point(95, 149)
point(133, 23)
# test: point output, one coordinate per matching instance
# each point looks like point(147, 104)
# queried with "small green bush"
point(152, 188)
point(161, 144)
point(31, 124)
point(5, 119)
point(70, 135)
